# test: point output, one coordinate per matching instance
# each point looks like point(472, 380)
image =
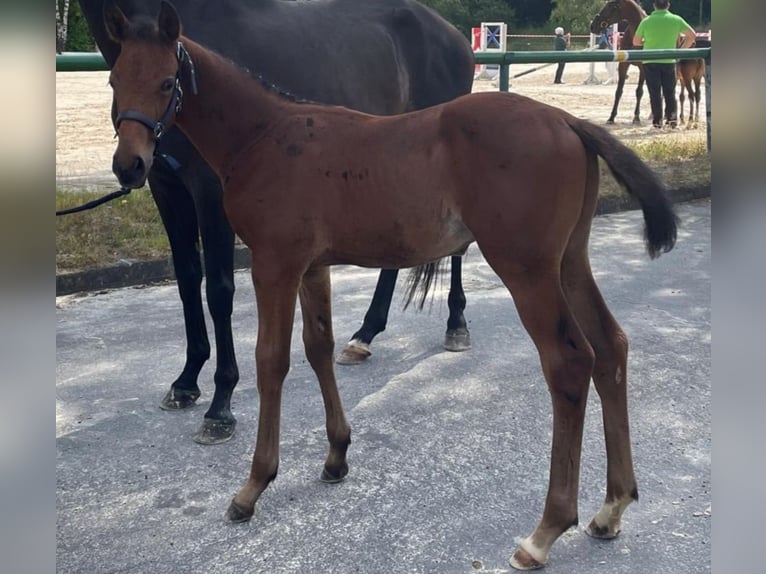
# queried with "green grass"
point(126, 228)
point(130, 227)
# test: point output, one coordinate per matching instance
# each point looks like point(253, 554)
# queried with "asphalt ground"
point(449, 453)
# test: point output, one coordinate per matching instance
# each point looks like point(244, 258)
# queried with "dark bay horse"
point(383, 57)
point(308, 186)
point(627, 14)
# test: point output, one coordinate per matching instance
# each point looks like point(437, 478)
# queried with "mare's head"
point(146, 84)
point(611, 13)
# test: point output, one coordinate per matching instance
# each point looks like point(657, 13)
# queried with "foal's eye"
point(167, 85)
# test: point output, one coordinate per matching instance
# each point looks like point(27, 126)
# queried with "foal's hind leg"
point(319, 343)
point(567, 362)
point(609, 375)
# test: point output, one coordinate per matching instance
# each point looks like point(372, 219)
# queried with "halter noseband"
point(157, 127)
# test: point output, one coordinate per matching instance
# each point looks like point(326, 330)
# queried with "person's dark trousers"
point(661, 84)
point(559, 73)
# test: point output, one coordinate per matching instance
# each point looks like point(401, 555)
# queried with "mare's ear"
point(115, 21)
point(168, 22)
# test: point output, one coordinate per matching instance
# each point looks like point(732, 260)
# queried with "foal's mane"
point(143, 27)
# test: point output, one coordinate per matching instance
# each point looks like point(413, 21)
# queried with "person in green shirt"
point(661, 31)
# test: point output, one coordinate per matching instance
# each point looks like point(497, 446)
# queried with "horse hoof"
point(354, 353)
point(457, 340)
point(215, 431)
point(236, 513)
point(333, 476)
point(602, 532)
point(523, 560)
point(610, 121)
point(178, 399)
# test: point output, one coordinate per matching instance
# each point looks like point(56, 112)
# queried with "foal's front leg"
point(275, 294)
point(318, 340)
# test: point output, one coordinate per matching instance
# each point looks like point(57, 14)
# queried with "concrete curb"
point(130, 273)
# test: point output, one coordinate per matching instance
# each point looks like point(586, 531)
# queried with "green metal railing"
point(506, 59)
point(92, 61)
point(80, 62)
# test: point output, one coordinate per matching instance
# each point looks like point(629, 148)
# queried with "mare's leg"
point(457, 337)
point(639, 95)
point(318, 340)
point(567, 363)
point(276, 289)
point(622, 74)
point(358, 347)
point(218, 250)
point(178, 216)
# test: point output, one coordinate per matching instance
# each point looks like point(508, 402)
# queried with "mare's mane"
point(144, 28)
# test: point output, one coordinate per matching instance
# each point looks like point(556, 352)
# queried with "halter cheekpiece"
point(157, 127)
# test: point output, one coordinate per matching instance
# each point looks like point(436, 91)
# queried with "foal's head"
point(146, 86)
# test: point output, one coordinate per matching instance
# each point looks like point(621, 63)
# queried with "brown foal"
point(307, 186)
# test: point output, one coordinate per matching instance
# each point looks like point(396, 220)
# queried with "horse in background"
point(689, 72)
point(308, 186)
point(627, 14)
point(378, 57)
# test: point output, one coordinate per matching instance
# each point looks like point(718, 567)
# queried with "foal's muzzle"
point(132, 170)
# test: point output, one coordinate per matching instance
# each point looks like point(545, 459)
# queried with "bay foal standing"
point(307, 186)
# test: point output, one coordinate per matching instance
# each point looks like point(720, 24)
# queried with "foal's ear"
point(115, 21)
point(168, 22)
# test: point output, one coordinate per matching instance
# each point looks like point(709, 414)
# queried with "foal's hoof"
point(602, 532)
point(214, 431)
point(334, 475)
point(354, 353)
point(523, 560)
point(636, 121)
point(610, 121)
point(179, 399)
point(237, 513)
point(457, 340)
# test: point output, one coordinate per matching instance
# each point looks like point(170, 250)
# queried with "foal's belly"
point(399, 242)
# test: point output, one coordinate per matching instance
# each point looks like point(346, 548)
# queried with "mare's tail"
point(661, 222)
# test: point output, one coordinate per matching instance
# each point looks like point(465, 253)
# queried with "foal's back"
point(409, 188)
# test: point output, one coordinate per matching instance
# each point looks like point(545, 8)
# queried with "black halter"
point(157, 127)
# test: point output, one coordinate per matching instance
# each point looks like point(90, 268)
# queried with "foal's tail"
point(638, 179)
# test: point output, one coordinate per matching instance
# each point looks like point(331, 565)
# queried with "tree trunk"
point(62, 17)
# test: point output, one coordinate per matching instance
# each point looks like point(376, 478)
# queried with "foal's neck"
point(230, 111)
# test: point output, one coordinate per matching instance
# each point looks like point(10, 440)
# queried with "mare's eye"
point(167, 85)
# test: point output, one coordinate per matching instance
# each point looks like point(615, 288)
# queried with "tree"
point(531, 13)
point(467, 14)
point(575, 15)
point(62, 20)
